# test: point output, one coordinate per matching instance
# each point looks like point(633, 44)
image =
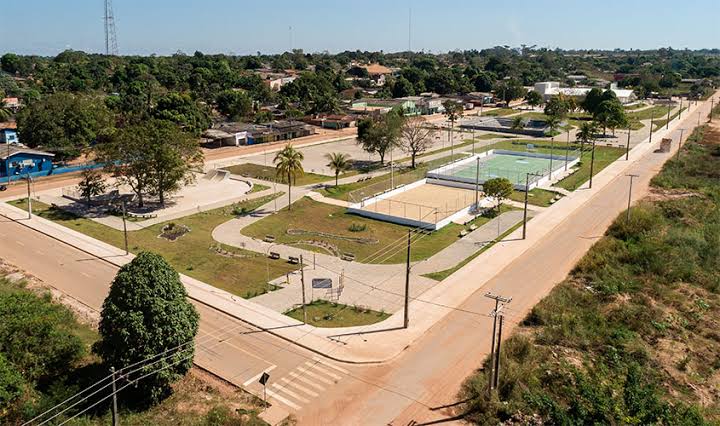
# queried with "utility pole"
point(525, 209)
point(667, 123)
point(552, 146)
point(124, 213)
point(29, 200)
point(712, 107)
point(680, 144)
point(627, 146)
point(698, 119)
point(497, 353)
point(473, 140)
point(627, 218)
point(652, 124)
point(406, 314)
point(7, 163)
point(115, 417)
point(302, 282)
point(567, 150)
point(498, 300)
point(477, 184)
point(592, 162)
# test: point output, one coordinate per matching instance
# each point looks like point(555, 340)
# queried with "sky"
point(47, 27)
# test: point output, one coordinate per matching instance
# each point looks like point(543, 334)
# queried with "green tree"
point(557, 107)
point(147, 314)
point(402, 88)
point(499, 189)
point(12, 385)
point(533, 98)
point(552, 122)
point(339, 163)
point(154, 157)
point(91, 184)
point(182, 110)
point(5, 112)
point(64, 123)
point(288, 166)
point(610, 113)
point(518, 123)
point(378, 135)
point(234, 104)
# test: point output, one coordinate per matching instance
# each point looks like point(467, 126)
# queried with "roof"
point(12, 150)
point(11, 101)
point(10, 125)
point(377, 69)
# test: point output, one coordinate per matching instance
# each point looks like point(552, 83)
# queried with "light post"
point(525, 209)
point(627, 218)
point(567, 149)
point(680, 144)
point(552, 149)
point(698, 119)
point(652, 124)
point(29, 200)
point(667, 123)
point(680, 110)
point(592, 162)
point(627, 146)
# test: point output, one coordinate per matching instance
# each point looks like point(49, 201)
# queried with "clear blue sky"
point(246, 26)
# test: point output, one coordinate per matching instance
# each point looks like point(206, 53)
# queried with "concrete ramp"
point(210, 175)
point(221, 175)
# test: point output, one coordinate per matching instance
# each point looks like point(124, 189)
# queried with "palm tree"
point(518, 123)
point(5, 112)
point(339, 163)
point(552, 122)
point(453, 111)
point(288, 166)
point(586, 134)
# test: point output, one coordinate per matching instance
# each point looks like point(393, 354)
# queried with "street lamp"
point(592, 162)
point(627, 146)
point(525, 210)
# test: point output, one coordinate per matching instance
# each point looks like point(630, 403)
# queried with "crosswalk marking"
point(282, 399)
point(322, 370)
point(307, 371)
point(256, 377)
point(331, 365)
point(298, 386)
point(305, 380)
point(289, 392)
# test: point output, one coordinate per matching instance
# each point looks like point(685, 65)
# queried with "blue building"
point(9, 136)
point(19, 161)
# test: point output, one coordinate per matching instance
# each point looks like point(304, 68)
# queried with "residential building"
point(12, 103)
point(332, 121)
point(17, 161)
point(535, 128)
point(8, 133)
point(237, 134)
point(407, 105)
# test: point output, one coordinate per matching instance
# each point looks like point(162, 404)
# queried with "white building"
point(548, 89)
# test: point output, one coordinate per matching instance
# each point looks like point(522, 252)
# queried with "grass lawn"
point(657, 111)
point(500, 112)
point(634, 107)
point(310, 215)
point(258, 187)
point(191, 254)
point(321, 313)
point(267, 173)
point(660, 123)
point(441, 275)
point(537, 197)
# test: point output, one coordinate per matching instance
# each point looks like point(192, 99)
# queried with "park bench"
point(293, 260)
point(274, 255)
point(348, 257)
point(269, 239)
point(463, 233)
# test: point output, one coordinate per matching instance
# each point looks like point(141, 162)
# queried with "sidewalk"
point(383, 341)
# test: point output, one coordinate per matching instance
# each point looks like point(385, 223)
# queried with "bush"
point(357, 227)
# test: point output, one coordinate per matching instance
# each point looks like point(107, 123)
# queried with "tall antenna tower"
point(110, 35)
point(409, 29)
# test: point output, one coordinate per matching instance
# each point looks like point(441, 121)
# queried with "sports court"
point(511, 165)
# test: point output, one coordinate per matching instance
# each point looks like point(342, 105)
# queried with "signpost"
point(263, 381)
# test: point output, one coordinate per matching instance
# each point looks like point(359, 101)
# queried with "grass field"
point(267, 173)
point(321, 313)
point(191, 254)
point(500, 112)
point(537, 197)
point(313, 216)
point(660, 123)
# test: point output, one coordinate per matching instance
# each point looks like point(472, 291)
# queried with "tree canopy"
point(147, 314)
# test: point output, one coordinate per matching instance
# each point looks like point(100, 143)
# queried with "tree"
point(518, 123)
point(12, 384)
point(416, 138)
point(147, 314)
point(288, 166)
point(610, 113)
point(182, 110)
point(499, 189)
point(154, 157)
point(453, 112)
point(586, 134)
point(552, 122)
point(235, 104)
point(380, 134)
point(92, 184)
point(339, 163)
point(509, 90)
point(557, 107)
point(5, 112)
point(533, 98)
point(64, 124)
point(592, 100)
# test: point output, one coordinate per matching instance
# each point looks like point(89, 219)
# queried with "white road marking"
point(322, 370)
point(298, 386)
point(19, 243)
point(83, 273)
point(282, 399)
point(257, 377)
point(331, 365)
point(304, 370)
point(289, 392)
point(305, 380)
point(41, 253)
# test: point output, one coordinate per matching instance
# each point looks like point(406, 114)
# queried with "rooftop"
point(12, 150)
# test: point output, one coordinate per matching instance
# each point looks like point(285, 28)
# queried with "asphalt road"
point(418, 385)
